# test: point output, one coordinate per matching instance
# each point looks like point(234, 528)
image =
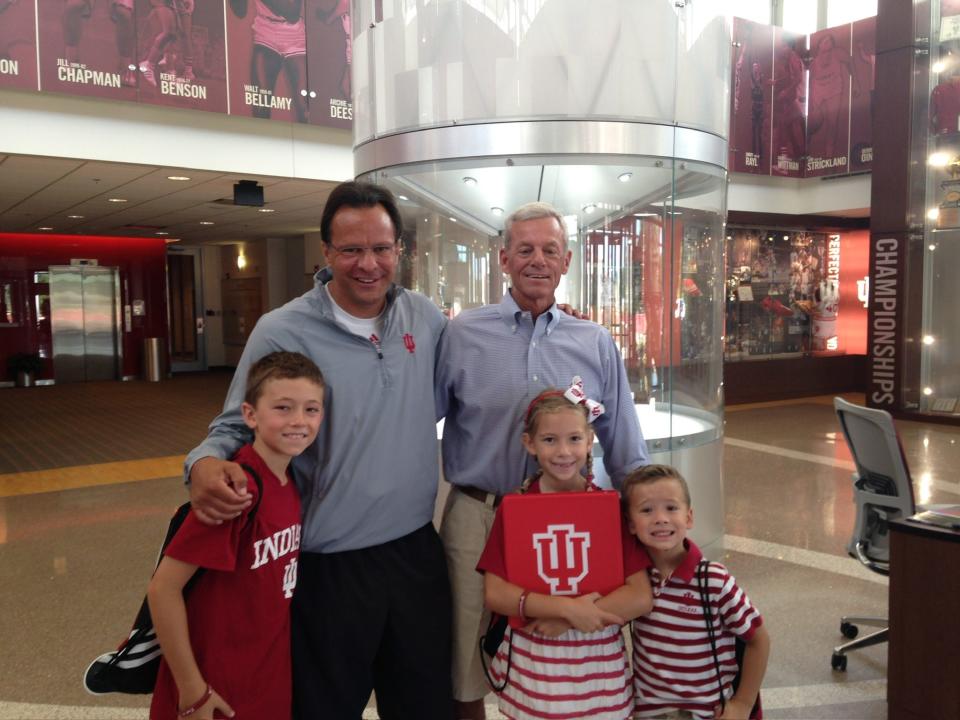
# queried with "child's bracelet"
point(188, 711)
point(522, 604)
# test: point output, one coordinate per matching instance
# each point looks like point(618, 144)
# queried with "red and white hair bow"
point(577, 396)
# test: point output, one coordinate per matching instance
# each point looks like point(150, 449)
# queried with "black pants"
point(373, 619)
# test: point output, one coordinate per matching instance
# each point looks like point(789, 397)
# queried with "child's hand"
point(213, 704)
point(549, 627)
point(735, 710)
point(585, 616)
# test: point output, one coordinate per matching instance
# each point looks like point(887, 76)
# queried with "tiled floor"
point(77, 543)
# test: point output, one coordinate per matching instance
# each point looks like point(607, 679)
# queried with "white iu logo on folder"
point(562, 559)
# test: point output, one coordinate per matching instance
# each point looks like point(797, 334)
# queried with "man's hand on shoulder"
point(570, 310)
point(218, 490)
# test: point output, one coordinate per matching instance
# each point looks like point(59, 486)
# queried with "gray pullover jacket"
point(371, 476)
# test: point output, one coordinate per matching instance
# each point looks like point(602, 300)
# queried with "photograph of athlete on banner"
point(862, 100)
point(18, 44)
point(831, 68)
point(788, 121)
point(182, 58)
point(268, 59)
point(87, 47)
point(751, 97)
point(329, 56)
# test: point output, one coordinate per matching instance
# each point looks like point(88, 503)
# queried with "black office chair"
point(882, 491)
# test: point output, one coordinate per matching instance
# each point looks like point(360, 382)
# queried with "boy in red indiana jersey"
point(226, 645)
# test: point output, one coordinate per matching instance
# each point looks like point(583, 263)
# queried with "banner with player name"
point(811, 113)
point(750, 100)
point(180, 54)
point(18, 45)
point(279, 59)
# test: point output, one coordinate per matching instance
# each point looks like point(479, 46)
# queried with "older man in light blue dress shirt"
point(493, 361)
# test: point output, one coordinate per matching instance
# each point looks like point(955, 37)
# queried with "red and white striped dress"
point(673, 666)
point(576, 675)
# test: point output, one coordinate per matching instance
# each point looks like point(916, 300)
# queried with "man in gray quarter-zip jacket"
point(372, 606)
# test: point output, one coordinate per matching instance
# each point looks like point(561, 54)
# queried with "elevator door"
point(83, 306)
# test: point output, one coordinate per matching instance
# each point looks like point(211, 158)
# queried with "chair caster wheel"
point(839, 662)
point(849, 630)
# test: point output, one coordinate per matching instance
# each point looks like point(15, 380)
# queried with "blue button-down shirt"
point(493, 360)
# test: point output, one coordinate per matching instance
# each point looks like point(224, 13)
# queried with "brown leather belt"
point(480, 495)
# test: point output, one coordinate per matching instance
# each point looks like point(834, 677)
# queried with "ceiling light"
point(929, 340)
point(265, 210)
point(206, 222)
point(453, 219)
point(589, 208)
point(625, 177)
point(75, 217)
point(931, 248)
point(938, 159)
point(498, 211)
point(928, 391)
point(116, 199)
point(44, 228)
point(645, 214)
point(933, 213)
point(161, 232)
point(241, 261)
point(469, 181)
point(171, 240)
point(939, 66)
point(178, 178)
point(403, 197)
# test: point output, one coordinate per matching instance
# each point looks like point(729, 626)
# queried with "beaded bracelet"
point(188, 711)
point(522, 604)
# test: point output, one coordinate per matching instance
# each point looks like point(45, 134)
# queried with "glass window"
point(845, 11)
point(756, 10)
point(800, 16)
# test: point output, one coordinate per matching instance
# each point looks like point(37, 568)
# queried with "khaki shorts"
point(464, 530)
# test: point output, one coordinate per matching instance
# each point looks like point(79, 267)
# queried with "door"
point(84, 322)
point(185, 300)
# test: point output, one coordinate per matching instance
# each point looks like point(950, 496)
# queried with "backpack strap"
point(703, 568)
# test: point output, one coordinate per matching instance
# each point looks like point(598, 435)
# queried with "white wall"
point(848, 195)
point(62, 126)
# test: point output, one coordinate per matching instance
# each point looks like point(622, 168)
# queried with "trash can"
point(154, 359)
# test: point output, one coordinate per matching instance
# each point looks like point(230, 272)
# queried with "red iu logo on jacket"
point(408, 342)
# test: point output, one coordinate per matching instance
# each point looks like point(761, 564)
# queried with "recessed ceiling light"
point(498, 211)
point(625, 177)
point(116, 200)
point(589, 208)
point(928, 391)
point(161, 232)
point(178, 178)
point(206, 222)
point(44, 228)
point(75, 217)
point(403, 197)
point(453, 219)
point(470, 181)
point(265, 210)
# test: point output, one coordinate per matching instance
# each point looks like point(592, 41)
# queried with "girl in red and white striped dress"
point(569, 661)
point(674, 670)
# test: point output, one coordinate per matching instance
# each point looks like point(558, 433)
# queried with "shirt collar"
point(688, 567)
point(510, 312)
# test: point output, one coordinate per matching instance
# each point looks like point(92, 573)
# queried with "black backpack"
point(132, 668)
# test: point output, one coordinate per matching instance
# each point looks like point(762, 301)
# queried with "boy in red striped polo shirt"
point(675, 673)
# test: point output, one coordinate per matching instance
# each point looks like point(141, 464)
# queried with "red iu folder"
point(563, 543)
